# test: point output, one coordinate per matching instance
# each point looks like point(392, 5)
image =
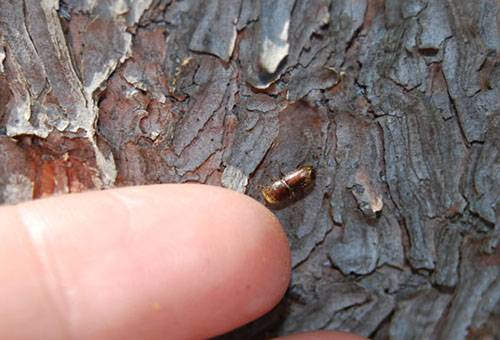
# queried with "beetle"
point(290, 187)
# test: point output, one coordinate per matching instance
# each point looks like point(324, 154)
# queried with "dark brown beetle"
point(290, 187)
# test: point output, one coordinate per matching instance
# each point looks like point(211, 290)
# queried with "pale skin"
point(152, 262)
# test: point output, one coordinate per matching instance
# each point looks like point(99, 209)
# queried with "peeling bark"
point(395, 103)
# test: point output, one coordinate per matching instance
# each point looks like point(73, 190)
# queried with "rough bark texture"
point(396, 103)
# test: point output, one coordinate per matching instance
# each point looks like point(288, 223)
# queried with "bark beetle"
point(394, 102)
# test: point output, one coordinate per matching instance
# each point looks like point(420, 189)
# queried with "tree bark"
point(395, 103)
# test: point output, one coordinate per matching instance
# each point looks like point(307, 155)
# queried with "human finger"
point(154, 262)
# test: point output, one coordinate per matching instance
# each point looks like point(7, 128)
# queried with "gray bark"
point(396, 103)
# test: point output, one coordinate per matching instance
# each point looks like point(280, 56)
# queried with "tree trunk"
point(395, 103)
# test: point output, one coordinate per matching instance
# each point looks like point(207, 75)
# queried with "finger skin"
point(323, 335)
point(156, 262)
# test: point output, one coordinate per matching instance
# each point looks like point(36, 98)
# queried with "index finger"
point(155, 262)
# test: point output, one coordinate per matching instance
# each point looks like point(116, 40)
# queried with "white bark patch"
point(107, 168)
point(233, 178)
point(2, 58)
point(273, 52)
point(18, 188)
point(137, 9)
point(369, 201)
point(110, 65)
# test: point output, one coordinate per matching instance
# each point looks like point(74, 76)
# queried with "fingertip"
point(255, 263)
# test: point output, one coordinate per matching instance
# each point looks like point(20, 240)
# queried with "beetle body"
point(290, 187)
